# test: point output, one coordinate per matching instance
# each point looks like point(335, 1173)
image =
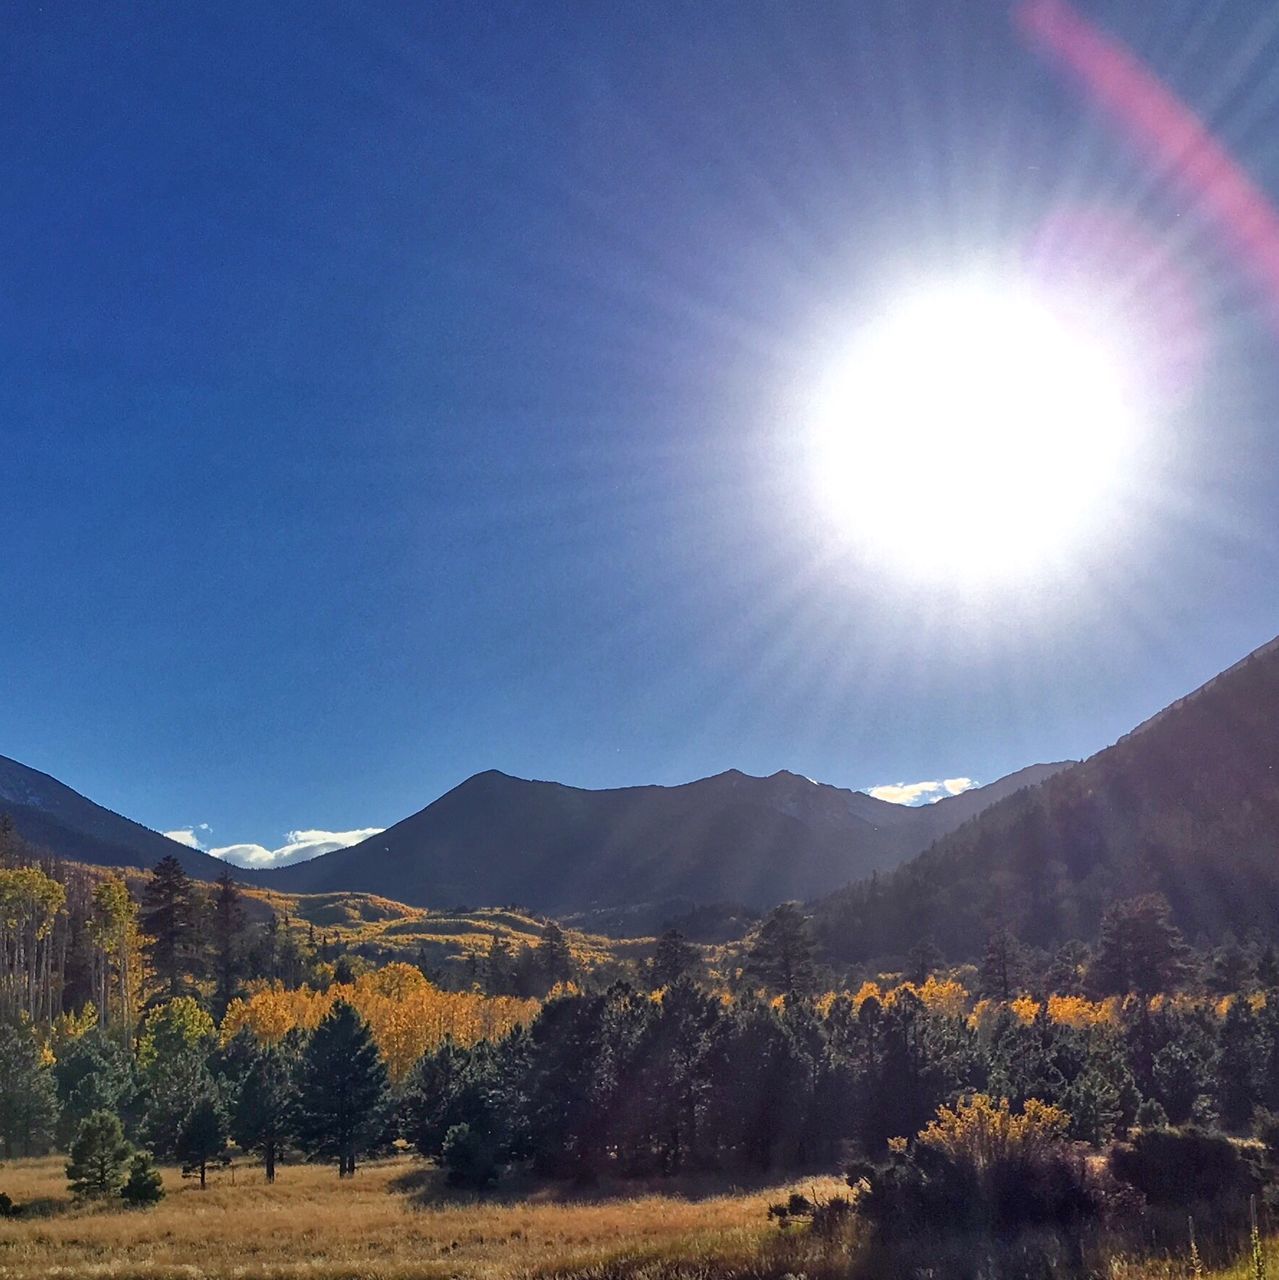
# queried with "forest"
point(1093, 1098)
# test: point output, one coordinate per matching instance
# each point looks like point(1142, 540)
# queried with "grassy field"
point(393, 1221)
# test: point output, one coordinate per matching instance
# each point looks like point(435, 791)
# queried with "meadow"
point(397, 1221)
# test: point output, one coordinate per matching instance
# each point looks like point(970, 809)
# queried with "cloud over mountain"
point(299, 846)
point(912, 793)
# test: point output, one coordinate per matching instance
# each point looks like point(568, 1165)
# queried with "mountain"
point(49, 814)
point(1186, 805)
point(729, 838)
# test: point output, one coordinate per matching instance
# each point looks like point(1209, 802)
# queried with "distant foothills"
point(1187, 805)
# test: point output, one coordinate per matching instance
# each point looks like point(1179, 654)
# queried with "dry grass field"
point(394, 1221)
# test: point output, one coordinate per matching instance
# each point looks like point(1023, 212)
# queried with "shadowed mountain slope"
point(732, 837)
point(1186, 805)
point(49, 814)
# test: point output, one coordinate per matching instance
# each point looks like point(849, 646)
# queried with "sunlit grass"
point(393, 1221)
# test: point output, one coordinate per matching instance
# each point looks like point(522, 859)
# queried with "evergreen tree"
point(144, 1185)
point(673, 958)
point(98, 1156)
point(94, 1073)
point(1140, 950)
point(554, 958)
point(202, 1138)
point(228, 942)
point(923, 960)
point(170, 922)
point(28, 1094)
point(1001, 974)
point(172, 1066)
point(343, 1089)
point(1239, 1056)
point(780, 957)
point(495, 972)
point(266, 1104)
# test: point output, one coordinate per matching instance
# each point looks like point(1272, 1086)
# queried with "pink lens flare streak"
point(1166, 130)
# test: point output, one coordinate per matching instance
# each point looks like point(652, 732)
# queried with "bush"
point(981, 1168)
point(469, 1157)
point(7, 1208)
point(1184, 1167)
point(144, 1186)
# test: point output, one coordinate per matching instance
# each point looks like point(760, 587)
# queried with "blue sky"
point(391, 392)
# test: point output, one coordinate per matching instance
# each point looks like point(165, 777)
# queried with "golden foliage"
point(407, 1014)
point(980, 1131)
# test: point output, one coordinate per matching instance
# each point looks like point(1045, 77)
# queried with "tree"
point(172, 1065)
point(28, 1094)
point(1140, 950)
point(554, 957)
point(344, 1089)
point(673, 958)
point(923, 960)
point(1239, 1061)
point(144, 1185)
point(98, 1156)
point(94, 1073)
point(170, 922)
point(781, 955)
point(228, 946)
point(266, 1105)
point(1001, 973)
point(202, 1138)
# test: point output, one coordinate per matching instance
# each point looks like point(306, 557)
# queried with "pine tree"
point(98, 1156)
point(28, 1094)
point(144, 1185)
point(554, 957)
point(1001, 973)
point(1238, 1061)
point(170, 922)
point(343, 1089)
point(1140, 950)
point(266, 1105)
point(202, 1138)
point(228, 942)
point(781, 955)
point(673, 958)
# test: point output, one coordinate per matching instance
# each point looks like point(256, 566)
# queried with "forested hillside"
point(1186, 806)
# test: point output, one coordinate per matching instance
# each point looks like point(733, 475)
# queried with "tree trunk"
point(269, 1154)
point(201, 1175)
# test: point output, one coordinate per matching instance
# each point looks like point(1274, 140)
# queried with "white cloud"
point(185, 836)
point(916, 793)
point(299, 846)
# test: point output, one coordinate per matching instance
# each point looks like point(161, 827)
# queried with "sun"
point(978, 429)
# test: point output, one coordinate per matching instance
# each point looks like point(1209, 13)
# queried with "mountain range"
point(1186, 805)
point(495, 839)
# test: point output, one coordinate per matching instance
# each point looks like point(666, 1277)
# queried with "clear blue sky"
point(391, 392)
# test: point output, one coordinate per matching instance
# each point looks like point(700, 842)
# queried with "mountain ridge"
point(1185, 805)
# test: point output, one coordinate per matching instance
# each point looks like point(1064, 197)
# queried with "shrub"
point(469, 1157)
point(979, 1167)
point(1183, 1167)
point(7, 1208)
point(143, 1186)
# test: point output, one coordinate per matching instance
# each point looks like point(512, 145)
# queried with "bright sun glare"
point(976, 430)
